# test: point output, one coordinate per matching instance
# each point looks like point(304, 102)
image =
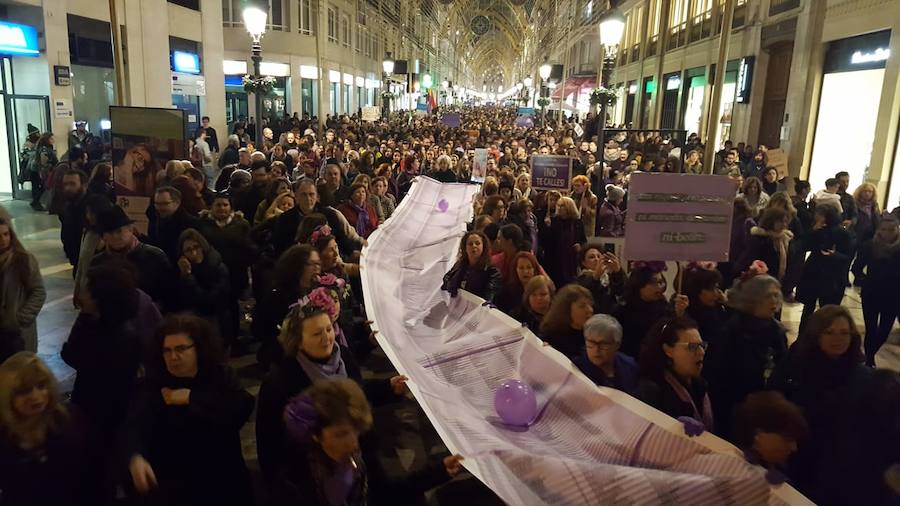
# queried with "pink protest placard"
point(678, 217)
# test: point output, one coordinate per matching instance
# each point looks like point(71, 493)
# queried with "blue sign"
point(16, 39)
point(234, 81)
point(452, 119)
point(421, 107)
point(188, 63)
point(526, 111)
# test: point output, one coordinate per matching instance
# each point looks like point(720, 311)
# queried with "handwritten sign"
point(550, 172)
point(678, 217)
point(371, 113)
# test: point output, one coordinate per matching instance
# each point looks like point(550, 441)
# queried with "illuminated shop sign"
point(744, 79)
point(188, 63)
point(880, 54)
point(16, 39)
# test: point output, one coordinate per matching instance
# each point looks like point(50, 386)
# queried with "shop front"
point(237, 100)
point(848, 109)
point(309, 90)
point(669, 116)
point(692, 99)
point(188, 85)
point(724, 117)
point(25, 88)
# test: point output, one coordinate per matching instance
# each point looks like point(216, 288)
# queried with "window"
point(345, 30)
point(232, 14)
point(359, 38)
point(190, 4)
point(332, 25)
point(308, 96)
point(306, 22)
point(334, 98)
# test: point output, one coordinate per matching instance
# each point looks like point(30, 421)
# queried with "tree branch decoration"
point(603, 95)
point(263, 85)
point(543, 102)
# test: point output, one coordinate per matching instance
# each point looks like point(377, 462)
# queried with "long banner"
point(588, 445)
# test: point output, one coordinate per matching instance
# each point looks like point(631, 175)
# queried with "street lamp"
point(544, 72)
point(388, 67)
point(612, 26)
point(255, 22)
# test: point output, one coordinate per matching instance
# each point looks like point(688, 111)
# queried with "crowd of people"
point(155, 412)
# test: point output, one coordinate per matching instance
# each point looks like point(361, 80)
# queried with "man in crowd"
point(71, 217)
point(171, 221)
point(848, 203)
point(211, 136)
point(307, 198)
point(731, 166)
point(331, 189)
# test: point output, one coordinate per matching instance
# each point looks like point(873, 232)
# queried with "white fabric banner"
point(589, 445)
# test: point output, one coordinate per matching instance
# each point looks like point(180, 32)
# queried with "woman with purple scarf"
point(359, 212)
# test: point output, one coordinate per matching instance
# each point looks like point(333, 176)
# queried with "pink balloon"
point(515, 403)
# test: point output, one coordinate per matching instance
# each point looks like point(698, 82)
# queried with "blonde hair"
point(569, 205)
point(866, 186)
point(20, 373)
point(273, 209)
point(536, 283)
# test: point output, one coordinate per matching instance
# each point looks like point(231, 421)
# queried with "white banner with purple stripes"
point(589, 445)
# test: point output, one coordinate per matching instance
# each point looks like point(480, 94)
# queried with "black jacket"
point(661, 396)
point(206, 292)
point(605, 296)
point(637, 319)
point(484, 282)
point(569, 342)
point(284, 234)
point(71, 221)
point(233, 243)
point(164, 232)
point(741, 362)
point(285, 381)
point(883, 275)
point(194, 450)
point(54, 476)
point(154, 271)
point(824, 275)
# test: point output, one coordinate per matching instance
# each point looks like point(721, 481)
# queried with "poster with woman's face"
point(143, 140)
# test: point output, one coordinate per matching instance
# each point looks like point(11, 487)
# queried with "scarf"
point(318, 371)
point(705, 415)
point(339, 336)
point(780, 240)
point(362, 219)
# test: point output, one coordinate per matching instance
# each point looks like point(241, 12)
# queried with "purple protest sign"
point(451, 119)
point(678, 217)
point(524, 121)
point(550, 172)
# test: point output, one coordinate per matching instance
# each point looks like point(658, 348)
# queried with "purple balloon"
point(443, 205)
point(515, 402)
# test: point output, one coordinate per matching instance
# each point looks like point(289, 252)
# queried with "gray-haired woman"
point(752, 343)
point(601, 361)
point(611, 218)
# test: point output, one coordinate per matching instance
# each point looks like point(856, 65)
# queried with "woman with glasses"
point(753, 341)
point(670, 367)
point(601, 361)
point(702, 284)
point(202, 287)
point(183, 441)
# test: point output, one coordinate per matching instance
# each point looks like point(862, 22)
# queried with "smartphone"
point(609, 248)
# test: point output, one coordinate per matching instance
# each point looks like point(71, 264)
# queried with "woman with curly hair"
point(473, 270)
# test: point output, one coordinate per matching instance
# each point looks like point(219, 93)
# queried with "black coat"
point(232, 241)
point(661, 396)
point(569, 342)
point(527, 318)
point(71, 221)
point(206, 291)
point(194, 450)
point(154, 271)
point(605, 297)
point(55, 475)
point(285, 381)
point(637, 318)
point(164, 232)
point(484, 282)
point(825, 275)
point(883, 276)
point(740, 362)
point(284, 233)
point(558, 241)
point(711, 321)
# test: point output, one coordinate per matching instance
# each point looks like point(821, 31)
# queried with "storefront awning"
point(578, 85)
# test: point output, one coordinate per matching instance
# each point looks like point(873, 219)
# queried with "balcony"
point(651, 48)
point(779, 6)
point(678, 36)
point(701, 27)
point(635, 52)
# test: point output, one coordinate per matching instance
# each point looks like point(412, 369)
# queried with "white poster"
point(62, 108)
point(587, 445)
point(479, 165)
point(371, 113)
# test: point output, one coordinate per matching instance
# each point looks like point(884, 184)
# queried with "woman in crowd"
point(795, 255)
point(43, 161)
point(824, 374)
point(520, 214)
point(563, 325)
point(283, 202)
point(742, 222)
point(768, 428)
point(867, 218)
point(693, 164)
point(91, 242)
point(295, 276)
point(601, 273)
point(535, 302)
point(561, 240)
point(880, 256)
point(601, 361)
point(825, 272)
point(509, 242)
point(702, 285)
point(330, 462)
point(310, 356)
point(752, 192)
point(275, 188)
point(751, 344)
point(770, 183)
point(101, 182)
point(332, 263)
point(670, 367)
point(523, 184)
point(769, 242)
point(526, 267)
point(182, 439)
point(611, 218)
point(359, 213)
point(383, 202)
point(22, 293)
point(202, 285)
point(42, 441)
point(495, 207)
point(644, 304)
point(473, 271)
point(586, 203)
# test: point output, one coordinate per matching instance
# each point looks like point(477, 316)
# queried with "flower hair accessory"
point(653, 266)
point(301, 418)
point(318, 300)
point(701, 266)
point(319, 232)
point(757, 268)
point(336, 284)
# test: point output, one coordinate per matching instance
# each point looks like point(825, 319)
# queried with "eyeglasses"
point(600, 345)
point(178, 350)
point(693, 347)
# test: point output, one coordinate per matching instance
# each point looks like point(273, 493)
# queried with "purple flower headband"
point(317, 300)
point(336, 284)
point(319, 232)
point(652, 266)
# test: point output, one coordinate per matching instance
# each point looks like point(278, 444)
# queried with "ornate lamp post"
point(612, 26)
point(255, 22)
point(544, 72)
point(388, 67)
